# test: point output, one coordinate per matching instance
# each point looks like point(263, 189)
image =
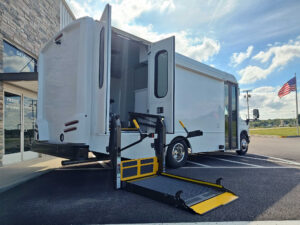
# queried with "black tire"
point(177, 154)
point(244, 144)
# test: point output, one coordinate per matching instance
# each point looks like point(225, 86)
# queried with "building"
point(25, 26)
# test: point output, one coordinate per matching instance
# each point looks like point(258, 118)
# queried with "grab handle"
point(191, 134)
point(181, 123)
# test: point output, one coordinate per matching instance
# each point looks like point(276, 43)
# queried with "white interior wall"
point(128, 75)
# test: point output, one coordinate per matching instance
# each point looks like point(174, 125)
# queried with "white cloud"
point(277, 56)
point(238, 58)
point(251, 74)
point(80, 10)
point(269, 104)
point(201, 50)
point(125, 14)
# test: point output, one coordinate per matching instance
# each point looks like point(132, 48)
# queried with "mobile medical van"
point(91, 70)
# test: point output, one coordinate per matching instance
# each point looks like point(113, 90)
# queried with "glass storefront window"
point(15, 60)
point(29, 121)
point(12, 123)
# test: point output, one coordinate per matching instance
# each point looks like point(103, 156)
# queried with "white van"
point(90, 70)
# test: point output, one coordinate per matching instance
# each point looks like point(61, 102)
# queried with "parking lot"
point(268, 188)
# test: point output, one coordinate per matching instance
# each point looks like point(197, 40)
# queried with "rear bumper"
point(68, 151)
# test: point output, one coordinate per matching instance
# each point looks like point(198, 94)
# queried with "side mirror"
point(247, 121)
point(255, 114)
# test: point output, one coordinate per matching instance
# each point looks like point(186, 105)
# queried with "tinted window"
point(101, 58)
point(15, 60)
point(234, 116)
point(161, 74)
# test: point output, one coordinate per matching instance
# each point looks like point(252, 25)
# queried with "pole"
point(247, 99)
point(297, 122)
point(248, 105)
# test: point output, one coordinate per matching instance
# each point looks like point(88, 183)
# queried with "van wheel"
point(177, 154)
point(243, 145)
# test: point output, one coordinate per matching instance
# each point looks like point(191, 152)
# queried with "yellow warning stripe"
point(131, 160)
point(146, 164)
point(192, 180)
point(214, 202)
point(136, 176)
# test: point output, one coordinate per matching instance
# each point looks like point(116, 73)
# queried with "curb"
point(289, 136)
point(273, 136)
point(25, 179)
point(265, 222)
point(267, 136)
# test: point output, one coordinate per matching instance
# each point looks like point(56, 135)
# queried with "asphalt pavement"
point(285, 148)
point(268, 189)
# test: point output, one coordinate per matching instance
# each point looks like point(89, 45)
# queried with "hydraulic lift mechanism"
point(148, 177)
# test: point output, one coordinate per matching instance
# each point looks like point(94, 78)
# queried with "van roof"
point(180, 60)
point(201, 68)
point(186, 62)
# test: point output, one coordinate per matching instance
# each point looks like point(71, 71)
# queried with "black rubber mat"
point(192, 193)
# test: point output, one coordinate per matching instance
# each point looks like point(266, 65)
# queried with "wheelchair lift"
point(148, 176)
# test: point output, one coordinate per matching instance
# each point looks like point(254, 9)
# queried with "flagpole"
point(297, 108)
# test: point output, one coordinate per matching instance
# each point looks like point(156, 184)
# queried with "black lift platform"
point(147, 176)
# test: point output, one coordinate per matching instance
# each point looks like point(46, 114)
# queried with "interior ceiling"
point(29, 85)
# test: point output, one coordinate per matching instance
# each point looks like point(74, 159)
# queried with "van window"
point(101, 58)
point(161, 74)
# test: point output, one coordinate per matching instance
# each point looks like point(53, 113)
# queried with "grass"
point(281, 131)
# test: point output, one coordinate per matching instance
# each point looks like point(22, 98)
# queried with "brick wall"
point(1, 100)
point(27, 24)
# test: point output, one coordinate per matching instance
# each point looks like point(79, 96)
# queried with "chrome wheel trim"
point(178, 152)
point(244, 144)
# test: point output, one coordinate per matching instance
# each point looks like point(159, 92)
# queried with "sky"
point(256, 41)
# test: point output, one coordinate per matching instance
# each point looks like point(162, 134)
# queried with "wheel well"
point(246, 135)
point(179, 138)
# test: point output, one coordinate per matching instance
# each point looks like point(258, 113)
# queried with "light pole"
point(247, 96)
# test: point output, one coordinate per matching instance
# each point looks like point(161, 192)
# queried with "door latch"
point(160, 110)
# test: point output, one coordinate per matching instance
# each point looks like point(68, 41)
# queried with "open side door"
point(102, 81)
point(161, 80)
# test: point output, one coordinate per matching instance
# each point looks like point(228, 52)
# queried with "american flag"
point(287, 87)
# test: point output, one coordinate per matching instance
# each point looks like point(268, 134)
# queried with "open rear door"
point(161, 78)
point(102, 81)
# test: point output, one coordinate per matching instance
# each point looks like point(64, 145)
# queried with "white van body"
point(90, 70)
